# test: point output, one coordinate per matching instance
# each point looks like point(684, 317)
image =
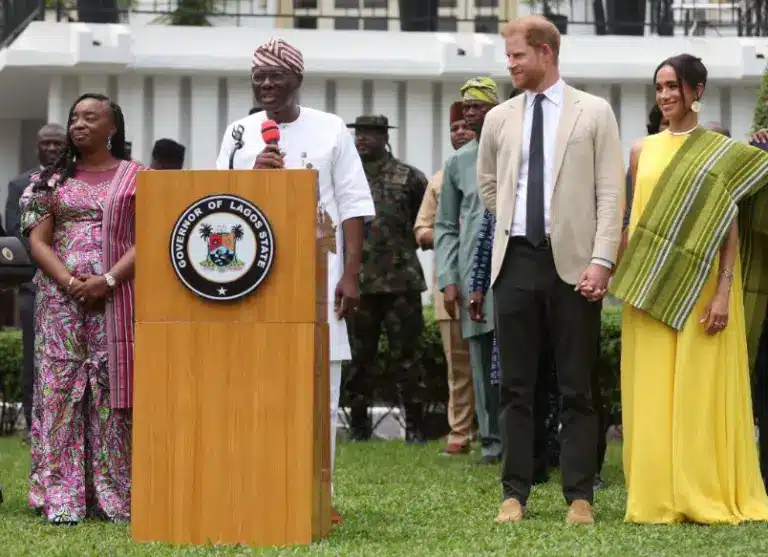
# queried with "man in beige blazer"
point(551, 169)
point(461, 396)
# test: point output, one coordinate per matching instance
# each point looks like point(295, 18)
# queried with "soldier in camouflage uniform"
point(391, 282)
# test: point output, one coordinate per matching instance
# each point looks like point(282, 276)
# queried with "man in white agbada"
point(309, 136)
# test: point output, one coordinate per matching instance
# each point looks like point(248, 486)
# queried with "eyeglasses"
point(278, 78)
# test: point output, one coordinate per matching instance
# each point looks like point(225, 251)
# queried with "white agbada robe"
point(322, 140)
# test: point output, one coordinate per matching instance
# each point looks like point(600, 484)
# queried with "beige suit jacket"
point(425, 221)
point(588, 198)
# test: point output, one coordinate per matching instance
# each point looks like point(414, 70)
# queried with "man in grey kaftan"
point(459, 218)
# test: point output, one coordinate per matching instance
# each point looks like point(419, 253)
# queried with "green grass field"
point(400, 500)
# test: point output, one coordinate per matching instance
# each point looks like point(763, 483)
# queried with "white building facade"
point(188, 83)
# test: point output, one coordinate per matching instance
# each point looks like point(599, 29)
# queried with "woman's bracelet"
point(71, 281)
point(726, 274)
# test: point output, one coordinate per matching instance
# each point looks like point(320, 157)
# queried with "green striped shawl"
point(709, 181)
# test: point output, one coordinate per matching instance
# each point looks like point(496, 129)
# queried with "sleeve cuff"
point(446, 279)
point(603, 262)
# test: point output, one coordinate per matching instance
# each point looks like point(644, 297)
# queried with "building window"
point(447, 24)
point(355, 4)
point(488, 24)
point(376, 24)
point(305, 5)
point(346, 23)
point(304, 22)
point(448, 4)
point(489, 3)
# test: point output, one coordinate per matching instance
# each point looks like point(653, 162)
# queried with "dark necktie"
point(534, 218)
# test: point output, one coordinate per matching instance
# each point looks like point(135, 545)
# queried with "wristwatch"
point(111, 282)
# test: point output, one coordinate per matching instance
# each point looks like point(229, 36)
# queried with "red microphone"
point(270, 133)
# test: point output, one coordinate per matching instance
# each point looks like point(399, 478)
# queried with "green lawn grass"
point(400, 500)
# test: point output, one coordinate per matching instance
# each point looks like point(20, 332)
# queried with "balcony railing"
point(15, 15)
point(582, 17)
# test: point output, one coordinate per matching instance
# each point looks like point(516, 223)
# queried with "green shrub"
point(11, 361)
point(760, 118)
point(435, 375)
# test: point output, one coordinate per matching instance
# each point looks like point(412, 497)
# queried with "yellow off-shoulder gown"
point(689, 438)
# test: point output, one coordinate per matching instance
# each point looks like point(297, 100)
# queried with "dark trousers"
point(546, 415)
point(760, 400)
point(532, 304)
point(546, 411)
point(602, 419)
point(27, 311)
point(401, 317)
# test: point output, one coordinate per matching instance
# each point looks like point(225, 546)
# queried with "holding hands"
point(593, 283)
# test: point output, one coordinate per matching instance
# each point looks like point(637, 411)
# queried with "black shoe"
point(540, 478)
point(599, 483)
point(1, 493)
point(488, 460)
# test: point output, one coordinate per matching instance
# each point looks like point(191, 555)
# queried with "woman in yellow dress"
point(689, 438)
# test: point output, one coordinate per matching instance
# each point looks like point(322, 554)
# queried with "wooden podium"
point(231, 400)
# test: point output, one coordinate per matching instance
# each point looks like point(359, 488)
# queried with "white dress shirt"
point(551, 108)
point(322, 140)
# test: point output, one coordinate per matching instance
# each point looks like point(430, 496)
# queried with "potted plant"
point(193, 13)
point(546, 7)
point(90, 11)
point(760, 118)
point(626, 17)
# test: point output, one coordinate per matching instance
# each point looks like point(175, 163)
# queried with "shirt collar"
point(554, 94)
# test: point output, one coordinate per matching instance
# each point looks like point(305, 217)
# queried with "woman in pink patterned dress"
point(79, 215)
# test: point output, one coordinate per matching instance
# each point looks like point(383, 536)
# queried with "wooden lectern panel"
point(231, 399)
point(287, 198)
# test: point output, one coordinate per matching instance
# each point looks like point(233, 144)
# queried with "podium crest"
point(222, 247)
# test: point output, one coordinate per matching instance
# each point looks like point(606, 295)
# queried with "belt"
point(544, 245)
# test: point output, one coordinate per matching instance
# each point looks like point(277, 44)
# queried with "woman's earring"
point(696, 106)
point(109, 142)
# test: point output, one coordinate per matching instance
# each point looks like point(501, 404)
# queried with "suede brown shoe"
point(580, 513)
point(511, 511)
point(336, 518)
point(454, 449)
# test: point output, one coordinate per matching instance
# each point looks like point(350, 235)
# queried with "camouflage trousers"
point(399, 315)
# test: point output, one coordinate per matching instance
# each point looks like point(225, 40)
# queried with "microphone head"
point(270, 132)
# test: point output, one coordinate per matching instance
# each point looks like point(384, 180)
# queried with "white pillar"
point(166, 98)
point(450, 95)
point(62, 92)
point(205, 141)
point(711, 108)
point(419, 125)
point(600, 89)
point(239, 99)
point(385, 102)
point(93, 83)
point(349, 99)
point(10, 155)
point(743, 99)
point(632, 116)
point(312, 94)
point(131, 96)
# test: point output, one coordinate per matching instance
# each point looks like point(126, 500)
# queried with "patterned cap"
point(278, 53)
point(371, 122)
point(482, 89)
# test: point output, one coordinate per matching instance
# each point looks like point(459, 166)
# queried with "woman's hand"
point(716, 315)
point(75, 288)
point(94, 288)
